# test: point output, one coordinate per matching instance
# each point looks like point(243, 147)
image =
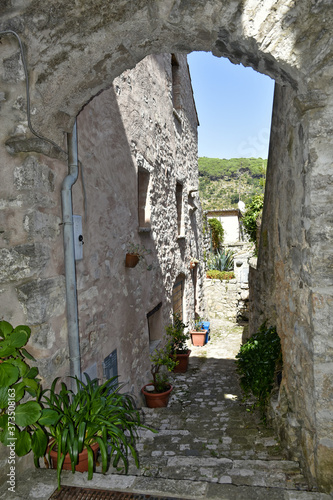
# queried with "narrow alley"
point(208, 445)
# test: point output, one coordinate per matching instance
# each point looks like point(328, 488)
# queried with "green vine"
point(251, 215)
point(258, 363)
point(217, 233)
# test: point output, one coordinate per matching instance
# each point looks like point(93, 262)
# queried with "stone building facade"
point(74, 51)
point(138, 175)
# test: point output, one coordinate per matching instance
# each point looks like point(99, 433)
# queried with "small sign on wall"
point(110, 366)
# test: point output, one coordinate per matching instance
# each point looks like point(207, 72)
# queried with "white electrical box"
point(78, 237)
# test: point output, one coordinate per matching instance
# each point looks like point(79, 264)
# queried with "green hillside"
point(222, 182)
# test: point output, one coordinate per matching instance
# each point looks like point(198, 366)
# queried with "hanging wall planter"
point(132, 259)
point(193, 262)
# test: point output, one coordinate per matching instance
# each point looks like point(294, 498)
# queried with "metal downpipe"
point(70, 274)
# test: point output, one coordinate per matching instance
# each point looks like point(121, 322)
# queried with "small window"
point(177, 296)
point(154, 319)
point(143, 198)
point(179, 202)
point(176, 99)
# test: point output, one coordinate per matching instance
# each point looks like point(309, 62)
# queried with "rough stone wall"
point(230, 298)
point(287, 290)
point(221, 299)
point(76, 50)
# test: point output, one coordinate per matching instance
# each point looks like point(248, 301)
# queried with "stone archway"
point(75, 51)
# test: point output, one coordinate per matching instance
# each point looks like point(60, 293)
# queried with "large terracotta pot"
point(82, 465)
point(183, 362)
point(198, 338)
point(156, 400)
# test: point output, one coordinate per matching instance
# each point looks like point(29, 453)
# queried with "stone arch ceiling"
point(76, 49)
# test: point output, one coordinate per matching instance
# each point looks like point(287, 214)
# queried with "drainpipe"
point(71, 296)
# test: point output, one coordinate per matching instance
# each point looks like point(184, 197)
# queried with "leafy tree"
point(251, 215)
point(217, 233)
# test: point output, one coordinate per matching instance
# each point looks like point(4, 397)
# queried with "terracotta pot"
point(156, 400)
point(82, 465)
point(198, 338)
point(131, 260)
point(183, 362)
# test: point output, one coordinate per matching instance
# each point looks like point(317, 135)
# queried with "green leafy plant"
point(220, 275)
point(217, 233)
point(198, 324)
point(251, 215)
point(161, 360)
point(18, 382)
point(177, 336)
point(94, 414)
point(257, 363)
point(221, 260)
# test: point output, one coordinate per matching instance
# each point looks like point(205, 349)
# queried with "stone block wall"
point(289, 288)
point(221, 299)
point(229, 299)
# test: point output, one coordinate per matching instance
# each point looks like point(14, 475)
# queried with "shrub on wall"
point(251, 215)
point(258, 362)
point(220, 275)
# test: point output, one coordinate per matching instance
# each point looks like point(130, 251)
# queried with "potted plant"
point(19, 427)
point(178, 340)
point(136, 253)
point(198, 334)
point(157, 393)
point(95, 416)
point(193, 262)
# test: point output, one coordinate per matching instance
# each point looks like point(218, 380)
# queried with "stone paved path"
point(206, 433)
point(208, 446)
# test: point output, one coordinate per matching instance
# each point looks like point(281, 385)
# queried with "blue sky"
point(234, 106)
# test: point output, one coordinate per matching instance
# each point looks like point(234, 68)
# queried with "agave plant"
point(94, 414)
point(221, 261)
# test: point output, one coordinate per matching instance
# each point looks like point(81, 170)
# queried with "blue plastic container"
point(206, 326)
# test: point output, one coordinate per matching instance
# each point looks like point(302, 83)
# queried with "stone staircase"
point(206, 433)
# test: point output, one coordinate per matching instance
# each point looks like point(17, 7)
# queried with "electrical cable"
point(11, 32)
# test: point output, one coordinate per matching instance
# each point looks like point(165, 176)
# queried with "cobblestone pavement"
point(209, 447)
point(206, 433)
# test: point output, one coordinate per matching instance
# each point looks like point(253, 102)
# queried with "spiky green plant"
point(221, 261)
point(94, 414)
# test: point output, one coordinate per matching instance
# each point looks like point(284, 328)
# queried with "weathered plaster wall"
point(76, 50)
